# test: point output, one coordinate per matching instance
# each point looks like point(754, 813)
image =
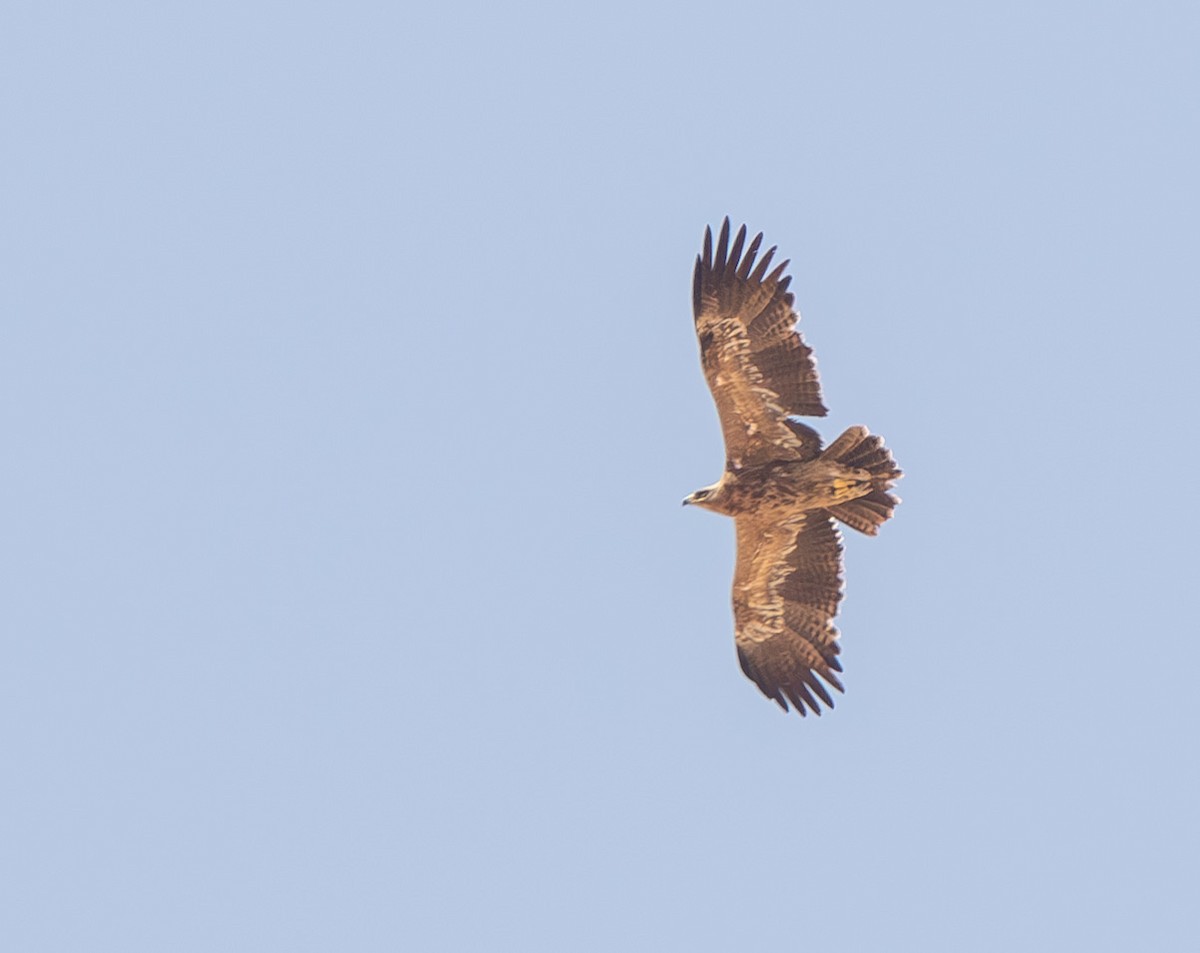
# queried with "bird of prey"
point(785, 493)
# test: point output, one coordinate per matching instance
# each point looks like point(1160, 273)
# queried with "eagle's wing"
point(786, 590)
point(759, 369)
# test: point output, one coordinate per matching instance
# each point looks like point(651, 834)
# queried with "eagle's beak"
point(687, 500)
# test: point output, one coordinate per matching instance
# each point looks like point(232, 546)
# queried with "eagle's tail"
point(858, 448)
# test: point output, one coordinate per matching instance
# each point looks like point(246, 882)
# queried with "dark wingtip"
point(821, 691)
point(775, 275)
point(722, 248)
point(762, 265)
point(802, 698)
point(748, 261)
point(735, 253)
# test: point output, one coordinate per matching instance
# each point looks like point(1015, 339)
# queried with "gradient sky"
point(349, 393)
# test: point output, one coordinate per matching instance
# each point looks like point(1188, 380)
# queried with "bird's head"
point(702, 498)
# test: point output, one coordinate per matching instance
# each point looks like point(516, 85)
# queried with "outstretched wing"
point(786, 590)
point(758, 367)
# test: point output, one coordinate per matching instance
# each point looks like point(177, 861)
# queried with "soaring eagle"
point(783, 491)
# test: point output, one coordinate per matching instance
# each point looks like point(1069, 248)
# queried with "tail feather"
point(872, 455)
point(858, 448)
point(845, 443)
point(867, 513)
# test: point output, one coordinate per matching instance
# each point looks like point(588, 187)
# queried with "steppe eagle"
point(783, 491)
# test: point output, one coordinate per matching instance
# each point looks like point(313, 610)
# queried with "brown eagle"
point(783, 491)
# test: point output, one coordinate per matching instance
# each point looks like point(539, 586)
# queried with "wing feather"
point(786, 590)
point(758, 367)
point(748, 261)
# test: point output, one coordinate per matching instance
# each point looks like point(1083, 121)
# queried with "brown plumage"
point(783, 491)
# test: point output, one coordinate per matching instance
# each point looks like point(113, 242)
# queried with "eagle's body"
point(783, 490)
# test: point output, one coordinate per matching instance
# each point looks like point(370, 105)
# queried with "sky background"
point(349, 393)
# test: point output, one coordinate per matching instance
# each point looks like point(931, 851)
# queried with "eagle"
point(784, 491)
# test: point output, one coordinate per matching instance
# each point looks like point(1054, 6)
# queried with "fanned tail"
point(860, 449)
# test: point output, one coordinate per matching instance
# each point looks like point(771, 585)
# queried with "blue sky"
point(349, 393)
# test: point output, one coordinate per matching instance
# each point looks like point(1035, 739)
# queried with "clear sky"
point(349, 394)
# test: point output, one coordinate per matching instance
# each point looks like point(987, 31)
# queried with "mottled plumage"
point(783, 491)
